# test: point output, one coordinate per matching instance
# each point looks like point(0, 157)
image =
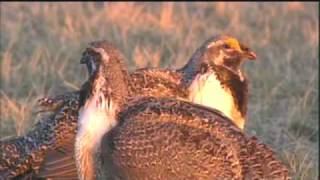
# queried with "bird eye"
point(244, 48)
point(226, 46)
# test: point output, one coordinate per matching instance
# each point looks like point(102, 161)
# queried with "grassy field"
point(41, 45)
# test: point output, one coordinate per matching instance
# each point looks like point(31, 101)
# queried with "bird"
point(204, 78)
point(153, 138)
point(214, 73)
point(22, 157)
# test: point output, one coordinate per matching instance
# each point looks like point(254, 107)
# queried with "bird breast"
point(207, 90)
point(96, 118)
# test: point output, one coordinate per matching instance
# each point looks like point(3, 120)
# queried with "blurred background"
point(41, 46)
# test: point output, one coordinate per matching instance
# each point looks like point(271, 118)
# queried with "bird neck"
point(112, 80)
point(238, 85)
point(193, 65)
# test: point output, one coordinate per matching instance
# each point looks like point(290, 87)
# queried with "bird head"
point(226, 51)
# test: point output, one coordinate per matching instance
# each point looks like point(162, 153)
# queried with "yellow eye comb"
point(233, 43)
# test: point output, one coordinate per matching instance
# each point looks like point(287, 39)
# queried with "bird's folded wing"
point(60, 163)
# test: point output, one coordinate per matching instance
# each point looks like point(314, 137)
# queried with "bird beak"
point(247, 53)
point(250, 55)
point(83, 60)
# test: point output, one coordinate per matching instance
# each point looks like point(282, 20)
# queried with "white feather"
point(95, 119)
point(207, 90)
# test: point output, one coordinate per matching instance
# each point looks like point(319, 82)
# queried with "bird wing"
point(59, 163)
point(170, 139)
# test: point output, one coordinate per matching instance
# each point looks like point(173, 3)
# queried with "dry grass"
point(41, 44)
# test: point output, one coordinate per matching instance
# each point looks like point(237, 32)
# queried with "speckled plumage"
point(150, 82)
point(163, 138)
point(170, 139)
point(26, 153)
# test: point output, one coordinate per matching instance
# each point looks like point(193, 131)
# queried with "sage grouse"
point(213, 72)
point(125, 137)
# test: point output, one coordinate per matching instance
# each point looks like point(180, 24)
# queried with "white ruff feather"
point(95, 119)
point(207, 90)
